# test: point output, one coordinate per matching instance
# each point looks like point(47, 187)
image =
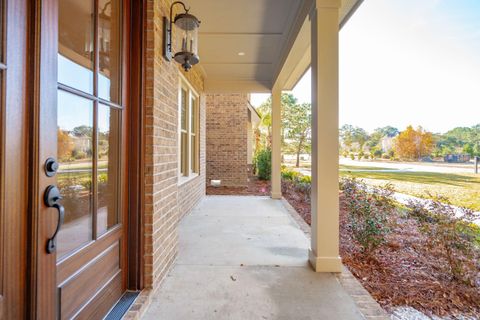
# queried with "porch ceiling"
point(244, 44)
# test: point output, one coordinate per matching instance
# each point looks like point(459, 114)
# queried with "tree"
point(353, 138)
point(468, 149)
point(265, 111)
point(388, 131)
point(458, 140)
point(375, 139)
point(413, 144)
point(65, 145)
point(297, 119)
point(476, 150)
point(82, 131)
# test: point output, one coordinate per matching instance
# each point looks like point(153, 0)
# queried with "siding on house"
point(227, 132)
point(165, 202)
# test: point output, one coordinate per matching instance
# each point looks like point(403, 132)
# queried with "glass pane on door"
point(109, 46)
point(108, 167)
point(75, 44)
point(74, 178)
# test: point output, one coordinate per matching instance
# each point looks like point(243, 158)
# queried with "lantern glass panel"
point(187, 35)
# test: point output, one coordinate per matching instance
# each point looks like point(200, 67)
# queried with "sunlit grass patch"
point(461, 188)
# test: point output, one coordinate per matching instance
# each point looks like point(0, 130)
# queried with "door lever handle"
point(51, 198)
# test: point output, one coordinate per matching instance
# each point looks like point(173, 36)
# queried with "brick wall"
point(227, 117)
point(165, 202)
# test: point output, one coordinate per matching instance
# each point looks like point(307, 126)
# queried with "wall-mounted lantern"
point(186, 37)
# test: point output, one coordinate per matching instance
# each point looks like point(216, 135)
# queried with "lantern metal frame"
point(185, 58)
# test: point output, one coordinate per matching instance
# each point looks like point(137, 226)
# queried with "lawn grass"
point(461, 188)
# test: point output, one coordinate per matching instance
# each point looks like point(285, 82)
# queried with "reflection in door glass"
point(108, 167)
point(75, 44)
point(109, 44)
point(74, 153)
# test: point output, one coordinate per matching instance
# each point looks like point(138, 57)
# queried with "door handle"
point(51, 198)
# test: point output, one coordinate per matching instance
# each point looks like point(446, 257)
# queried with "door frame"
point(43, 92)
point(135, 250)
point(14, 160)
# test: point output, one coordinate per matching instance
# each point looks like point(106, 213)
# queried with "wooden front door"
point(79, 129)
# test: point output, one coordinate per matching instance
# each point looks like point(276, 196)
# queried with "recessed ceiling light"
point(241, 53)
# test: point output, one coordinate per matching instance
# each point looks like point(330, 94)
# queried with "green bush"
point(304, 185)
point(369, 208)
point(78, 155)
point(263, 164)
point(288, 174)
point(102, 178)
point(298, 182)
point(305, 179)
point(352, 156)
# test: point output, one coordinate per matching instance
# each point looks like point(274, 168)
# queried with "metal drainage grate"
point(122, 305)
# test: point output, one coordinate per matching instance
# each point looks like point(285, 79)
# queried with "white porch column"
point(324, 252)
point(276, 143)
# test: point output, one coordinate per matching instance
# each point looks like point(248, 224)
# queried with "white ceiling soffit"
point(242, 44)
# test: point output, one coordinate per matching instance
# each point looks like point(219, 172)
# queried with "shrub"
point(305, 179)
point(377, 153)
point(369, 208)
point(86, 184)
point(304, 185)
point(352, 156)
point(298, 182)
point(290, 175)
point(78, 155)
point(385, 156)
point(451, 234)
point(102, 180)
point(360, 155)
point(263, 164)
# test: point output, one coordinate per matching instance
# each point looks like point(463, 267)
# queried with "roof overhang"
point(298, 59)
point(249, 46)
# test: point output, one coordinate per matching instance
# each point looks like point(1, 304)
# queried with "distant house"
point(457, 158)
point(387, 143)
point(82, 143)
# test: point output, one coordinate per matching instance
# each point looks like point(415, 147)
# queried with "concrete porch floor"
point(244, 257)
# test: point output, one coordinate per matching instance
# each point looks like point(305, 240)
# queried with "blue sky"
point(409, 62)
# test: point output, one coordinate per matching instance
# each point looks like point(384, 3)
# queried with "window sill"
point(183, 179)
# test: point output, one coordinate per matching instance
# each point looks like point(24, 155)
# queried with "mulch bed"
point(297, 200)
point(402, 272)
point(255, 187)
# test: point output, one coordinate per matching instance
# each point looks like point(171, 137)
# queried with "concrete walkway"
point(246, 258)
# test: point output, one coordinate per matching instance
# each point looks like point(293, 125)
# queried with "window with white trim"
point(189, 153)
